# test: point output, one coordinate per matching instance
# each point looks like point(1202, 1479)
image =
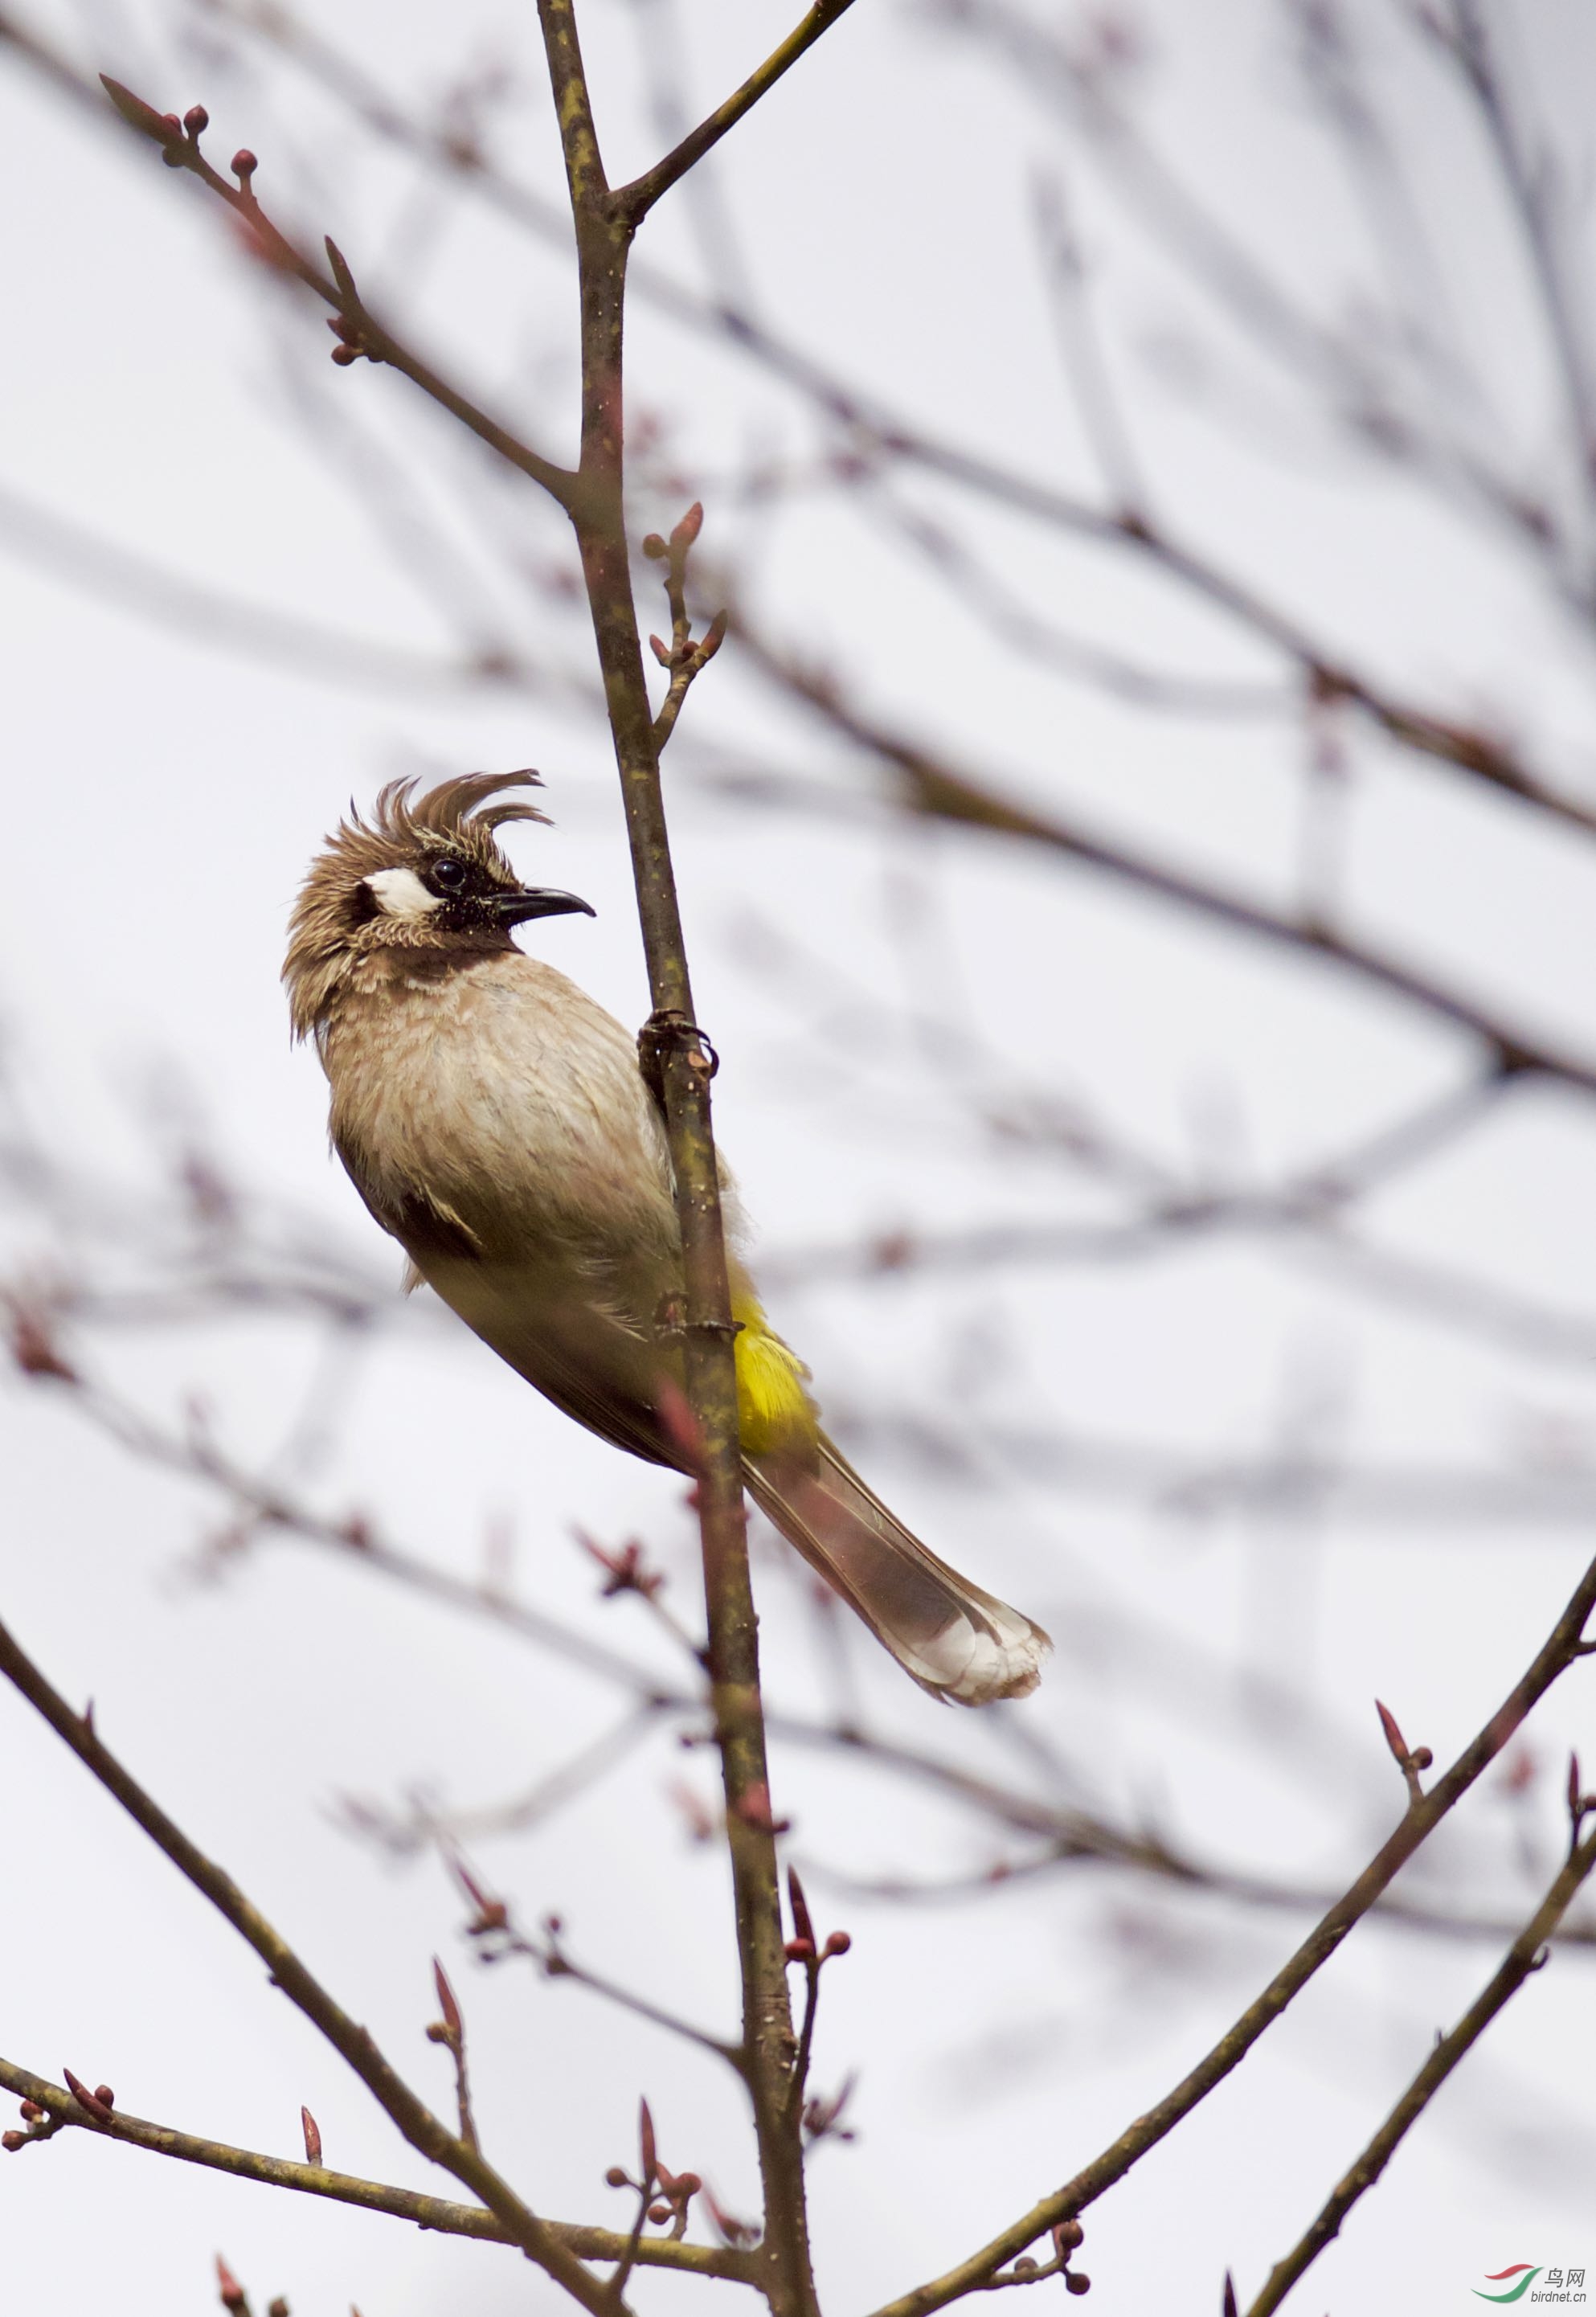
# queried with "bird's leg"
point(662, 1032)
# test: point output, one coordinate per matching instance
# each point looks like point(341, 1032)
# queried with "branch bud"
point(660, 652)
point(1393, 1737)
point(136, 112)
point(11, 2141)
point(837, 1943)
point(196, 120)
point(654, 548)
point(312, 2131)
point(689, 528)
point(245, 165)
point(100, 2109)
point(446, 2003)
point(617, 2178)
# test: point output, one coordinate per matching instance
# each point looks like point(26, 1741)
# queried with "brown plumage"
point(495, 1122)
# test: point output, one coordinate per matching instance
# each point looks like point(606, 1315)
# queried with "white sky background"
point(163, 797)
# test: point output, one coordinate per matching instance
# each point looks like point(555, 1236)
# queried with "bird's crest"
point(331, 916)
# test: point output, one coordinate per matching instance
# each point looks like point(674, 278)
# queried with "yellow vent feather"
point(773, 1407)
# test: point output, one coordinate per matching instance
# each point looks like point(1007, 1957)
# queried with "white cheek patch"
point(400, 893)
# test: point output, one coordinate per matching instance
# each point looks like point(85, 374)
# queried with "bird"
point(496, 1121)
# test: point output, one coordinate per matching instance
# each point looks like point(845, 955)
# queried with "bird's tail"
point(954, 1640)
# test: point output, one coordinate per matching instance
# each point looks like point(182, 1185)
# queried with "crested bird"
point(497, 1123)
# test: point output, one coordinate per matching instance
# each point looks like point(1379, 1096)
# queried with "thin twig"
point(432, 2212)
point(634, 201)
point(353, 2042)
point(1562, 1648)
point(1527, 1953)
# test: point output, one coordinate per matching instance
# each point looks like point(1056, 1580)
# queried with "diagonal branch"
point(892, 434)
point(433, 2213)
point(933, 786)
point(1562, 1648)
point(353, 2042)
point(634, 201)
point(179, 146)
point(1527, 1953)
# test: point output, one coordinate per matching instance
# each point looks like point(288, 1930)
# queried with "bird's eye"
point(448, 874)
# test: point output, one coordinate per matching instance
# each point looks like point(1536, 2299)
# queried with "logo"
point(1519, 2275)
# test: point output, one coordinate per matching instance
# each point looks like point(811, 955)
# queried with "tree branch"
point(934, 787)
point(686, 1064)
point(1559, 1651)
point(433, 2213)
point(1527, 1953)
point(360, 328)
point(634, 201)
point(353, 2042)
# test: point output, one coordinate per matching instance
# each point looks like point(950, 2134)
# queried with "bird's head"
point(423, 874)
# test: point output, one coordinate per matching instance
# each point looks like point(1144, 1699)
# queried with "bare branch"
point(353, 2042)
point(1559, 1651)
point(634, 200)
point(1527, 1953)
point(933, 786)
point(433, 2213)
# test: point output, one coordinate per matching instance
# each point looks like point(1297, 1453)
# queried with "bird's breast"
point(506, 1095)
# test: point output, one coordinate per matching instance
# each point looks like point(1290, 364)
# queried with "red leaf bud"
point(801, 1922)
point(172, 124)
point(104, 2095)
point(837, 1943)
point(1068, 2234)
point(1026, 2267)
point(228, 2285)
point(1573, 1786)
point(345, 355)
point(658, 2213)
point(714, 637)
point(245, 165)
point(446, 2003)
point(660, 652)
point(688, 2184)
point(645, 2139)
point(1393, 1737)
point(654, 548)
point(86, 2098)
point(196, 120)
point(615, 2177)
point(1421, 1758)
point(30, 2111)
point(134, 110)
point(1075, 2282)
point(312, 2131)
point(689, 526)
point(11, 2141)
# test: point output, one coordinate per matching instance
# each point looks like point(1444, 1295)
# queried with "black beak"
point(534, 901)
